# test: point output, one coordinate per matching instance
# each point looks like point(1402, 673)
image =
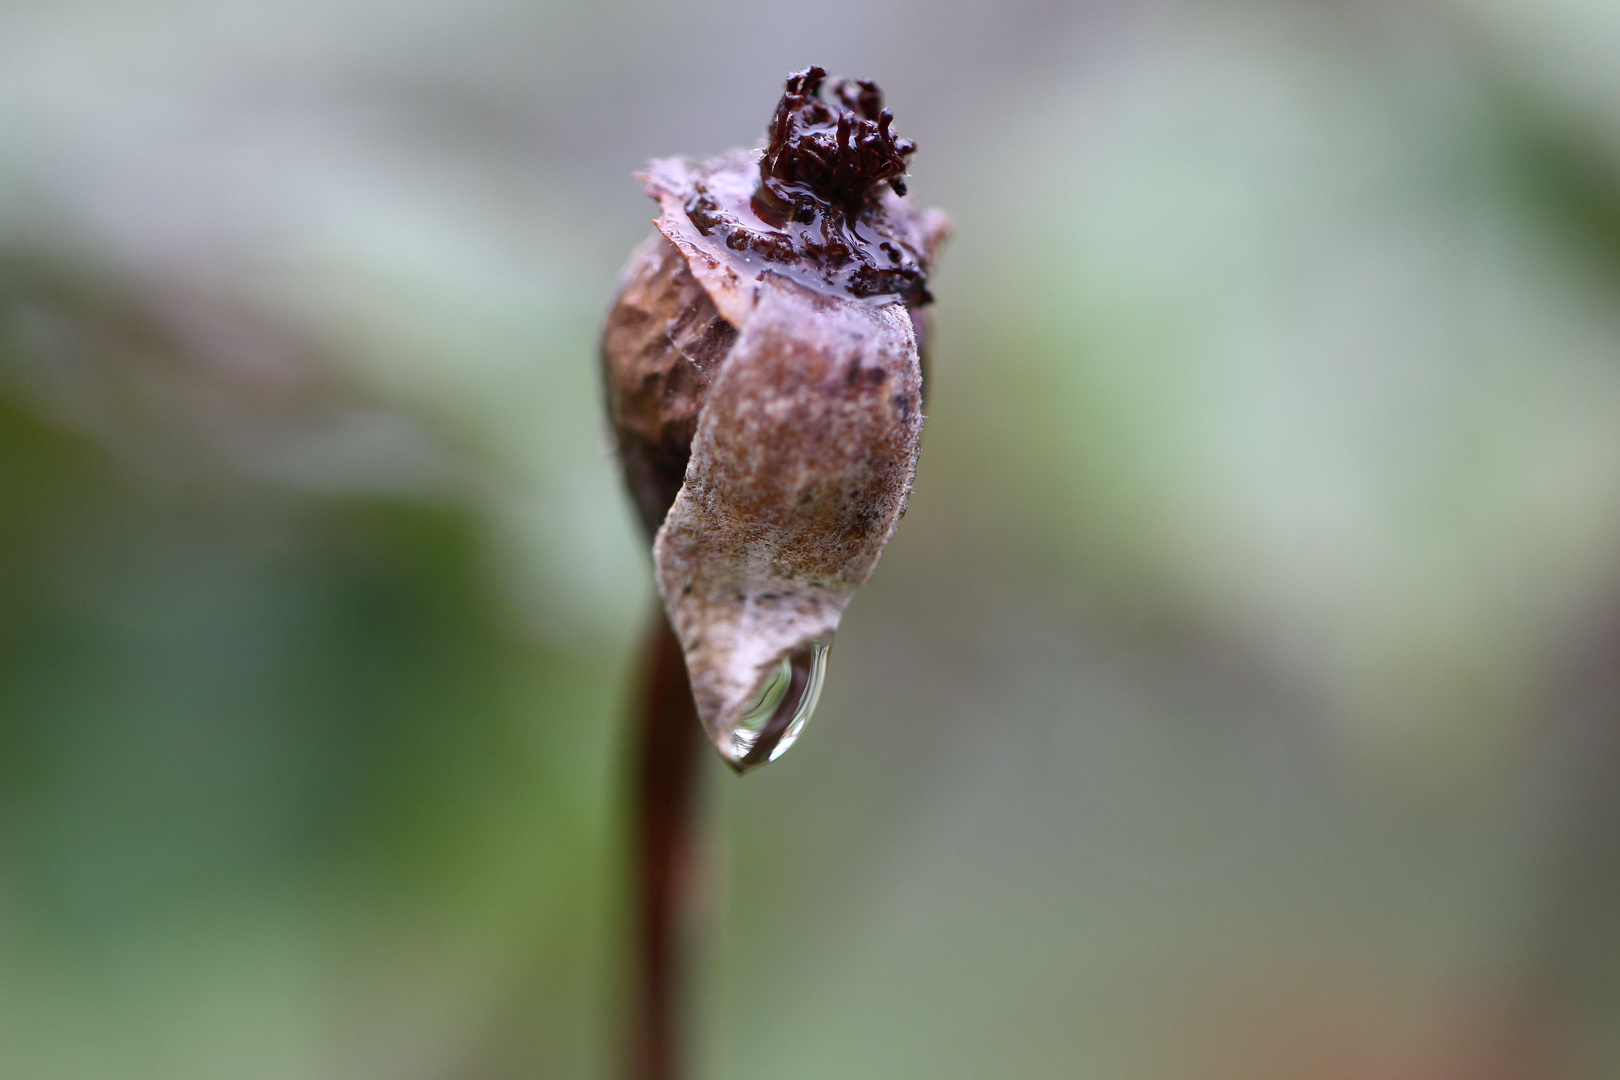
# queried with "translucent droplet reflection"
point(785, 700)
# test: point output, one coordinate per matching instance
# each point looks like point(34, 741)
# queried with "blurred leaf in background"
point(290, 789)
point(1238, 699)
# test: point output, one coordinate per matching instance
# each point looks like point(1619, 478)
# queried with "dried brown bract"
point(765, 387)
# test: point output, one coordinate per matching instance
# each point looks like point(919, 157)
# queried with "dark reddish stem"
point(667, 747)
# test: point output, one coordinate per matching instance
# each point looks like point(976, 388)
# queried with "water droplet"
point(786, 698)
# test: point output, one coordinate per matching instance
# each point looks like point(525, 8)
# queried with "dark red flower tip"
point(820, 156)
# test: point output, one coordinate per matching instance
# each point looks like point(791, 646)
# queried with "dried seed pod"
point(764, 382)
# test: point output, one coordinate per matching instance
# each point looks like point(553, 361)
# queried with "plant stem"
point(668, 741)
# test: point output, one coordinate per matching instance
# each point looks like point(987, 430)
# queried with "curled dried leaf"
point(764, 381)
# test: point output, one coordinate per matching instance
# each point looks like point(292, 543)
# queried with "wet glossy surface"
point(785, 700)
point(821, 203)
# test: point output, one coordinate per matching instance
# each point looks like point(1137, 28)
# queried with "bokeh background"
point(1240, 698)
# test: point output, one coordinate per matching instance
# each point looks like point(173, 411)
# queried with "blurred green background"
point(1240, 698)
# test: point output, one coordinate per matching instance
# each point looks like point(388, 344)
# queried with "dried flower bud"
point(764, 382)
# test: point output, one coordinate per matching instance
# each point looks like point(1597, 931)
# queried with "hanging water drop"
point(783, 703)
point(770, 695)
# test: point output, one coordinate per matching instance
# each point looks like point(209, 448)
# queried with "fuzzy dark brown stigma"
point(821, 203)
point(819, 157)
